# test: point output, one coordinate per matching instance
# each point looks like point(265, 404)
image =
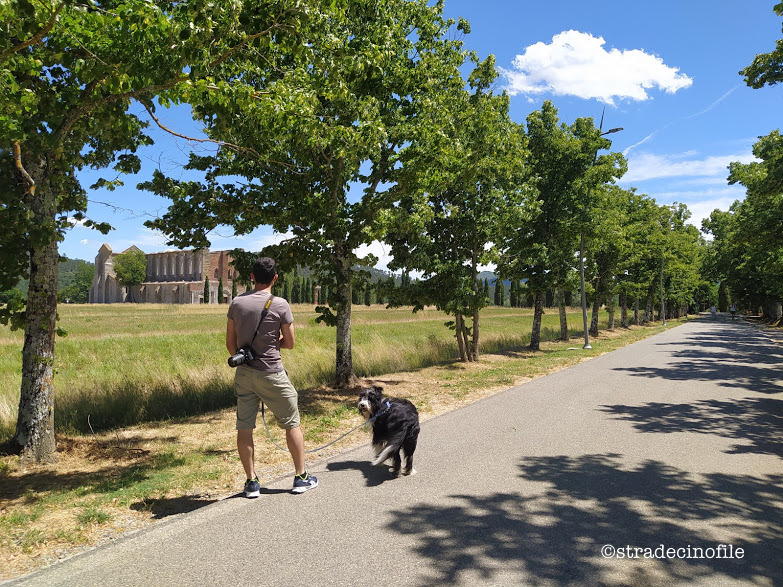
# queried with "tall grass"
point(127, 363)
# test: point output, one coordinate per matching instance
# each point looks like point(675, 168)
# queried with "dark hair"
point(264, 270)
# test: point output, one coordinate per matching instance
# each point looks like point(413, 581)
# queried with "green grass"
point(128, 363)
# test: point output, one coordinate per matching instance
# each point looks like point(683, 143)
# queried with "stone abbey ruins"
point(173, 277)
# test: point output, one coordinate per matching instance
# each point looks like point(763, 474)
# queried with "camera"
point(243, 355)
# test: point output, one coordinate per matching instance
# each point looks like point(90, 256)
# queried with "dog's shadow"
point(373, 475)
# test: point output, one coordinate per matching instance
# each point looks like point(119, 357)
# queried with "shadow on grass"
point(556, 536)
point(134, 403)
point(38, 485)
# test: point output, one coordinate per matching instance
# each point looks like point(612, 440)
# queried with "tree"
point(205, 295)
point(766, 68)
point(565, 169)
point(449, 212)
point(641, 261)
point(68, 74)
point(368, 295)
point(747, 248)
point(343, 110)
point(130, 268)
point(756, 226)
point(220, 291)
point(724, 297)
point(78, 290)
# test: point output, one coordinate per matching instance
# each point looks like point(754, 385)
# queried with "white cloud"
point(264, 240)
point(647, 166)
point(84, 241)
point(702, 209)
point(577, 64)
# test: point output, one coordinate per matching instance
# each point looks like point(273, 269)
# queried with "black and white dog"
point(395, 427)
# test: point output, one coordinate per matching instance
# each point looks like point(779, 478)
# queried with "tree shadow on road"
point(756, 420)
point(731, 359)
point(556, 536)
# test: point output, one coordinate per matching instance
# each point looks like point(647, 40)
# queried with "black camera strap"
point(264, 312)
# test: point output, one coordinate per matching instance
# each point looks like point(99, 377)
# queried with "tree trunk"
point(623, 310)
point(35, 422)
point(345, 378)
point(474, 353)
point(610, 307)
point(535, 335)
point(636, 312)
point(594, 318)
point(563, 317)
point(460, 331)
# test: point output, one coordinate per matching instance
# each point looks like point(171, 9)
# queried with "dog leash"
point(368, 421)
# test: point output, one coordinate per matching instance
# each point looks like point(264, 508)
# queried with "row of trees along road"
point(338, 122)
point(747, 247)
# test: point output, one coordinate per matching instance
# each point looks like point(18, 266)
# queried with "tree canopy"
point(338, 123)
point(766, 68)
point(457, 184)
point(68, 72)
point(565, 170)
point(130, 268)
point(319, 135)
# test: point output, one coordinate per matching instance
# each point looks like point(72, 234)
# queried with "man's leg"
point(247, 452)
point(295, 441)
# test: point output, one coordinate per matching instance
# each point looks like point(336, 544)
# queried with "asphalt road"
point(650, 453)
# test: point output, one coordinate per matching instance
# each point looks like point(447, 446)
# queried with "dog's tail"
point(395, 443)
point(385, 453)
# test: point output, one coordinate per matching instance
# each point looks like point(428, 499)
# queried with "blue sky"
point(665, 71)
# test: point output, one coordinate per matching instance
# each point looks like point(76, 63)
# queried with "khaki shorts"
point(252, 386)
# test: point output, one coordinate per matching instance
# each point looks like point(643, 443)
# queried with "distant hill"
point(67, 270)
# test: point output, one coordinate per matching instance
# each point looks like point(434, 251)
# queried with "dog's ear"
point(378, 389)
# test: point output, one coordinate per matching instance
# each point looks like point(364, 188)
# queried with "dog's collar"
point(388, 405)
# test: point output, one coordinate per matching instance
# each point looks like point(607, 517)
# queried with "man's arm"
point(231, 337)
point(287, 336)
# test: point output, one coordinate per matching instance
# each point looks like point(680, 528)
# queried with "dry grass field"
point(145, 424)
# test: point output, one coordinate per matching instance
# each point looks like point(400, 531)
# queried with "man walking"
point(263, 323)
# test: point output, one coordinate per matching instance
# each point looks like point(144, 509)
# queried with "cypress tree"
point(206, 289)
point(724, 297)
point(220, 291)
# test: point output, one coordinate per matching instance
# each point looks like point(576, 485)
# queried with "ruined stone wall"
point(173, 277)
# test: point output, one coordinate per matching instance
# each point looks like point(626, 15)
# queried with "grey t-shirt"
point(245, 310)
